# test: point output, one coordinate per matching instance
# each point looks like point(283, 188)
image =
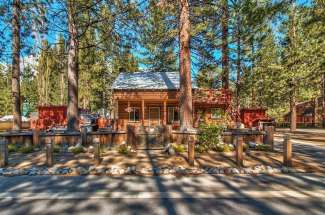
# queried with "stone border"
point(132, 170)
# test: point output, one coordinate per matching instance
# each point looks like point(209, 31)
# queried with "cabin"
point(151, 99)
point(308, 113)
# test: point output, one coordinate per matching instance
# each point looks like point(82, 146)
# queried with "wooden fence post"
point(269, 137)
point(84, 135)
point(3, 153)
point(131, 138)
point(36, 137)
point(287, 151)
point(49, 154)
point(191, 149)
point(97, 151)
point(239, 151)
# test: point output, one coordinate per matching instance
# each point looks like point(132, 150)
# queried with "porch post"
point(165, 113)
point(142, 112)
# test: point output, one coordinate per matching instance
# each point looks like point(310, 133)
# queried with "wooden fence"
point(132, 137)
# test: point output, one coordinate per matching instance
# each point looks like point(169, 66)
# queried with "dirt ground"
point(157, 158)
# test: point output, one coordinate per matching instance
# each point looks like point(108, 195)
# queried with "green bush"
point(210, 137)
point(26, 149)
point(56, 148)
point(12, 148)
point(179, 148)
point(77, 150)
point(123, 149)
point(262, 147)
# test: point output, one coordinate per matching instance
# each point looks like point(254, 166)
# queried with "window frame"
point(213, 110)
point(173, 108)
point(133, 112)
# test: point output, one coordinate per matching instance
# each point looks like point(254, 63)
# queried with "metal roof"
point(147, 81)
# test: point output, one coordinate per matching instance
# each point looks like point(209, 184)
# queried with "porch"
point(160, 108)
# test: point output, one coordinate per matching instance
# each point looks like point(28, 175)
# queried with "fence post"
point(36, 138)
point(287, 151)
point(269, 137)
point(84, 135)
point(49, 154)
point(239, 151)
point(191, 149)
point(97, 151)
point(3, 153)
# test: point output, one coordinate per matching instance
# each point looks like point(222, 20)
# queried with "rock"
point(251, 144)
point(180, 170)
point(234, 171)
point(248, 170)
point(131, 170)
point(221, 171)
point(166, 148)
point(156, 171)
point(91, 149)
point(1, 171)
point(92, 169)
point(213, 170)
point(71, 148)
point(100, 171)
point(82, 171)
point(269, 170)
point(171, 151)
point(79, 145)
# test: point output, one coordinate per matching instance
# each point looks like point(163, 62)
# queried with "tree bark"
point(293, 109)
point(73, 112)
point(238, 65)
point(16, 66)
point(225, 51)
point(322, 121)
point(186, 118)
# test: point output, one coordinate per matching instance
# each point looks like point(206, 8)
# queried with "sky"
point(33, 43)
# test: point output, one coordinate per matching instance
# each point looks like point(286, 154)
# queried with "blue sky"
point(53, 35)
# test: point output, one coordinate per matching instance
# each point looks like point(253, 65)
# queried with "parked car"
point(89, 120)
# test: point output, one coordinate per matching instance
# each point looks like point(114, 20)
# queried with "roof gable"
point(147, 80)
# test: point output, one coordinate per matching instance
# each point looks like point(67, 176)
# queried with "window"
point(216, 113)
point(134, 114)
point(173, 115)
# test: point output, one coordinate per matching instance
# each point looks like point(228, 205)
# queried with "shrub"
point(123, 149)
point(77, 150)
point(12, 148)
point(179, 148)
point(26, 149)
point(56, 148)
point(262, 147)
point(210, 137)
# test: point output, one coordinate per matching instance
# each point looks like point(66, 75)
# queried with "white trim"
point(158, 115)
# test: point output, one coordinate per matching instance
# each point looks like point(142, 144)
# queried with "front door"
point(154, 116)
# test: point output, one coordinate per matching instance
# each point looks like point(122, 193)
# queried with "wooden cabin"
point(309, 113)
point(152, 99)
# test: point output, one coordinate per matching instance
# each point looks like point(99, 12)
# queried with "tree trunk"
point(238, 65)
point(73, 112)
point(322, 121)
point(293, 109)
point(62, 88)
point(225, 51)
point(16, 66)
point(186, 118)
